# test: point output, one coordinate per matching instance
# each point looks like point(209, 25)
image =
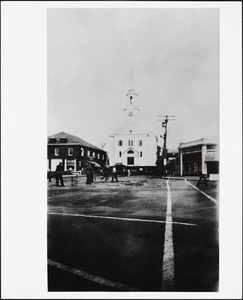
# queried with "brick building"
point(72, 151)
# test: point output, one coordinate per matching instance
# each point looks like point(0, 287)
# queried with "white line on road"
point(209, 197)
point(168, 273)
point(97, 279)
point(121, 219)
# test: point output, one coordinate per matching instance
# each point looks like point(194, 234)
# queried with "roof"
point(72, 139)
point(132, 128)
point(203, 141)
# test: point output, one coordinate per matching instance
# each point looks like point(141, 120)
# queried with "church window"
point(130, 151)
point(120, 143)
point(120, 154)
point(141, 154)
point(56, 151)
point(140, 143)
point(130, 143)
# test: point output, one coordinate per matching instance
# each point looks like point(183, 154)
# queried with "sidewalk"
point(194, 178)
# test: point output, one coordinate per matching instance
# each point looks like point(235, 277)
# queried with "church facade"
point(132, 145)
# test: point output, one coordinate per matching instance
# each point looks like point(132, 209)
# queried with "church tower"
point(131, 110)
point(132, 146)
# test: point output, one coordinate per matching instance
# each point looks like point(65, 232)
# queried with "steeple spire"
point(131, 82)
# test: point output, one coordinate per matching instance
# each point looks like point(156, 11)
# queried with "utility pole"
point(164, 120)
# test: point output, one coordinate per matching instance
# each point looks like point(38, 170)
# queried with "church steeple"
point(131, 82)
point(131, 110)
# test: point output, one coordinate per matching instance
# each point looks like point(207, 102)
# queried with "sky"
point(174, 55)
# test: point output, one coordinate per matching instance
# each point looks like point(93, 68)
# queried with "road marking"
point(121, 219)
point(97, 279)
point(168, 273)
point(209, 197)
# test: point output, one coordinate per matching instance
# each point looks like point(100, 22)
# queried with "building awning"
point(94, 164)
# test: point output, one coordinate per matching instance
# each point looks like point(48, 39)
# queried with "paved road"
point(122, 236)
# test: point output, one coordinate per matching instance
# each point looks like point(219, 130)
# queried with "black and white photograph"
point(133, 149)
point(128, 197)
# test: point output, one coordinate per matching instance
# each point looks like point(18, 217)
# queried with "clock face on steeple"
point(131, 109)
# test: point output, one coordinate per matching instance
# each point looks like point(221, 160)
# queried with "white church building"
point(132, 145)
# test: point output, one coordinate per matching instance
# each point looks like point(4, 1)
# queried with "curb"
point(180, 178)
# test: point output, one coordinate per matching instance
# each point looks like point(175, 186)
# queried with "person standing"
point(106, 174)
point(89, 174)
point(114, 174)
point(59, 173)
point(202, 177)
point(49, 175)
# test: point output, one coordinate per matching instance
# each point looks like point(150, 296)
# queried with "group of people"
point(90, 175)
point(107, 172)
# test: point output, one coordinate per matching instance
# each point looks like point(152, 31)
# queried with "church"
point(132, 145)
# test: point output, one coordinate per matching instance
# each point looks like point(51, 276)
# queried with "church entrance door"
point(130, 161)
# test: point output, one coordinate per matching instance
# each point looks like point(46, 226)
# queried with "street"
point(139, 234)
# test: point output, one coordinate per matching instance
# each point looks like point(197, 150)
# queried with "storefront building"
point(199, 156)
point(72, 151)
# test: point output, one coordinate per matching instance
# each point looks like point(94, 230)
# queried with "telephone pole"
point(165, 120)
